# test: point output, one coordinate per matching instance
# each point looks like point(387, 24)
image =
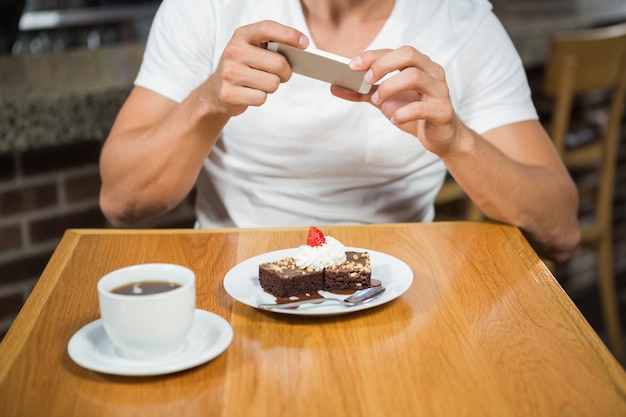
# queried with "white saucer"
point(91, 348)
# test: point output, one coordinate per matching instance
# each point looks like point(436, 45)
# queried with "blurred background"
point(66, 67)
point(39, 26)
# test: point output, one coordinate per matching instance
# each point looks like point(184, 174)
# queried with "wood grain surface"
point(484, 330)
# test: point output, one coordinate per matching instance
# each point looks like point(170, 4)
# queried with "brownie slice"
point(354, 273)
point(285, 279)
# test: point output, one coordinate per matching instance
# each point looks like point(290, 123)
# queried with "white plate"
point(91, 348)
point(242, 283)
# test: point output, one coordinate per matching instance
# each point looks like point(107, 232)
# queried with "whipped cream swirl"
point(319, 257)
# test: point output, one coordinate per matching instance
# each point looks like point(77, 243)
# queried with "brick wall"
point(43, 193)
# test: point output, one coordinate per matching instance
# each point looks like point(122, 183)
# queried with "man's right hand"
point(247, 72)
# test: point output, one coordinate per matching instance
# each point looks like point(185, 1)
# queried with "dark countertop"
point(58, 98)
point(63, 97)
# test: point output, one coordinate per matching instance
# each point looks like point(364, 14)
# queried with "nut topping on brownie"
point(353, 274)
point(284, 278)
point(321, 264)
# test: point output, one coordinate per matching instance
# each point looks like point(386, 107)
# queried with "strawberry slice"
point(315, 237)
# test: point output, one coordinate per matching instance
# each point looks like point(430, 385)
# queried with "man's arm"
point(156, 147)
point(512, 173)
point(152, 156)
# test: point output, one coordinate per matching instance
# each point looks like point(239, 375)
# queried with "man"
point(213, 108)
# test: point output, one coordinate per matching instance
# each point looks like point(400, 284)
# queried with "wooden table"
point(484, 330)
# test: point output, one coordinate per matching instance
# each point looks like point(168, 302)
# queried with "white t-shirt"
point(306, 157)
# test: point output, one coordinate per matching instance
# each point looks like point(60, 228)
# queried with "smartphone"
point(323, 66)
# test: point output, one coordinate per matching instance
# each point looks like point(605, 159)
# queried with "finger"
point(364, 60)
point(242, 52)
point(436, 113)
point(410, 79)
point(236, 96)
point(246, 65)
point(270, 62)
point(400, 59)
point(258, 34)
point(263, 79)
point(351, 95)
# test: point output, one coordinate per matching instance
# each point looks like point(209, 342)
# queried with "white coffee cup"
point(149, 325)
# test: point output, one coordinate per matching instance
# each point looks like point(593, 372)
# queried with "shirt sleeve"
point(490, 84)
point(179, 50)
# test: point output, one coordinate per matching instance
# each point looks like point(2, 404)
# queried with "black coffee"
point(145, 288)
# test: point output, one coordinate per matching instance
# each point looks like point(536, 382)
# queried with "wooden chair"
point(581, 63)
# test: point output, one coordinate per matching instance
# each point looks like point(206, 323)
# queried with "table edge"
point(23, 324)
